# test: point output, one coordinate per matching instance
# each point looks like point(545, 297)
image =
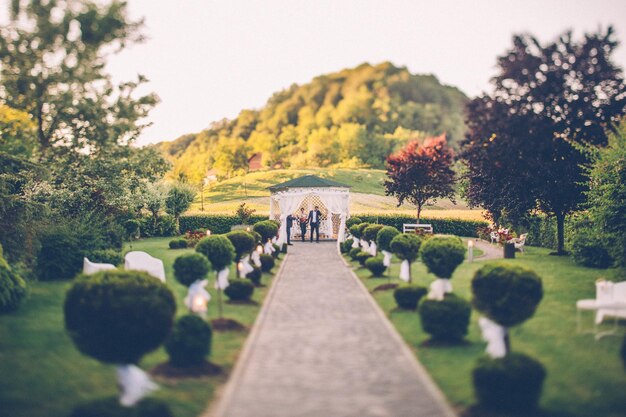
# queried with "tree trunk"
point(560, 233)
point(177, 219)
point(419, 212)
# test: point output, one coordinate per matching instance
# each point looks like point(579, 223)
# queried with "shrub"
point(239, 290)
point(361, 229)
point(362, 256)
point(353, 253)
point(371, 232)
point(276, 252)
point(193, 237)
point(385, 236)
point(111, 407)
point(408, 297)
point(346, 245)
point(590, 250)
point(243, 242)
point(60, 256)
point(352, 221)
point(512, 383)
point(406, 246)
point(244, 213)
point(218, 250)
point(267, 229)
point(190, 268)
point(106, 256)
point(622, 352)
point(190, 341)
point(507, 294)
point(257, 237)
point(442, 255)
point(178, 243)
point(446, 320)
point(255, 276)
point(216, 223)
point(132, 228)
point(118, 316)
point(355, 230)
point(375, 265)
point(267, 262)
point(12, 287)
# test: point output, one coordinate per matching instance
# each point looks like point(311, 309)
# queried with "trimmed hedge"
point(239, 290)
point(267, 262)
point(457, 227)
point(442, 255)
point(446, 320)
point(216, 223)
point(408, 297)
point(190, 342)
point(106, 256)
point(362, 256)
point(191, 267)
point(178, 243)
point(376, 266)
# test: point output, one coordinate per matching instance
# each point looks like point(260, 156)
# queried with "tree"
point(178, 200)
point(523, 145)
point(154, 200)
point(421, 173)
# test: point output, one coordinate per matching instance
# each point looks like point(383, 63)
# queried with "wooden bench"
point(412, 227)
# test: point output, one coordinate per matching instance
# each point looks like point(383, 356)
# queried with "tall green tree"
point(522, 148)
point(178, 200)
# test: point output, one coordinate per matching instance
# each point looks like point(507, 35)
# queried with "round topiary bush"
point(361, 228)
point(376, 266)
point(406, 246)
point(512, 383)
point(178, 243)
point(408, 297)
point(239, 290)
point(267, 229)
point(346, 245)
point(371, 232)
point(255, 276)
point(385, 236)
point(267, 262)
point(276, 252)
point(353, 253)
point(506, 294)
point(443, 254)
point(362, 256)
point(355, 230)
point(60, 256)
point(352, 221)
point(190, 268)
point(118, 316)
point(591, 251)
point(218, 249)
point(243, 242)
point(446, 320)
point(257, 237)
point(190, 342)
point(106, 256)
point(12, 287)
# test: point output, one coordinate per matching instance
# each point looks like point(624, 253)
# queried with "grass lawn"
point(585, 377)
point(43, 375)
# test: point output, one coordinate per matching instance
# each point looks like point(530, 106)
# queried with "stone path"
point(489, 251)
point(322, 348)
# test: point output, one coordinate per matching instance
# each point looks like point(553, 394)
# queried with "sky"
point(209, 59)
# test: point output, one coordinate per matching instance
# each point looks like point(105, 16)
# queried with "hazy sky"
point(208, 59)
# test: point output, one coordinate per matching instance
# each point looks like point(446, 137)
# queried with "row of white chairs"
point(133, 261)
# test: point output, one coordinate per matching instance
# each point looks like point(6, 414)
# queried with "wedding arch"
point(332, 198)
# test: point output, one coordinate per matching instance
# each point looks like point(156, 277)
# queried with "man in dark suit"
point(289, 226)
point(315, 217)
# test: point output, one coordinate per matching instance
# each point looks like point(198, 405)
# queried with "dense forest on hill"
point(352, 118)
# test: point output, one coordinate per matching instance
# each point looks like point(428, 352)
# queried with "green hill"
point(352, 118)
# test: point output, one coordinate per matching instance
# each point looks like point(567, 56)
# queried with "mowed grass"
point(585, 377)
point(43, 375)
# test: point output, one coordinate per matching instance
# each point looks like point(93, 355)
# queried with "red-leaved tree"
point(421, 173)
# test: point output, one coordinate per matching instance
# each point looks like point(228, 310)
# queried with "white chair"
point(494, 237)
point(520, 242)
point(412, 227)
point(92, 267)
point(141, 261)
point(610, 301)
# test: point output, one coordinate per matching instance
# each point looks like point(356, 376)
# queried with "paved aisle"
point(321, 349)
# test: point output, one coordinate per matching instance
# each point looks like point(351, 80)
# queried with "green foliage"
point(190, 268)
point(190, 342)
point(353, 253)
point(243, 242)
point(442, 255)
point(408, 297)
point(255, 276)
point(60, 256)
point(218, 250)
point(589, 249)
point(622, 352)
point(118, 316)
point(355, 230)
point(239, 290)
point(267, 262)
point(163, 226)
point(132, 229)
point(513, 383)
point(376, 266)
point(178, 243)
point(244, 213)
point(446, 320)
point(257, 237)
point(178, 200)
point(458, 227)
point(385, 236)
point(267, 229)
point(346, 245)
point(362, 257)
point(107, 256)
point(352, 221)
point(148, 407)
point(406, 246)
point(12, 287)
point(276, 252)
point(371, 232)
point(507, 294)
point(361, 229)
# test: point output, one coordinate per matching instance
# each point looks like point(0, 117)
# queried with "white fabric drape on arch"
point(287, 206)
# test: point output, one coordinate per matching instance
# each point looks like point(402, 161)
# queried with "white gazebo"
point(332, 198)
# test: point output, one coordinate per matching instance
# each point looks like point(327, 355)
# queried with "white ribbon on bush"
point(356, 243)
point(494, 335)
point(274, 239)
point(222, 279)
point(246, 268)
point(197, 289)
point(373, 249)
point(365, 245)
point(268, 249)
point(405, 271)
point(256, 258)
point(386, 258)
point(439, 288)
point(134, 383)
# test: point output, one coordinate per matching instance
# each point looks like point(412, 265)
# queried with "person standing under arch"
point(303, 221)
point(315, 216)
